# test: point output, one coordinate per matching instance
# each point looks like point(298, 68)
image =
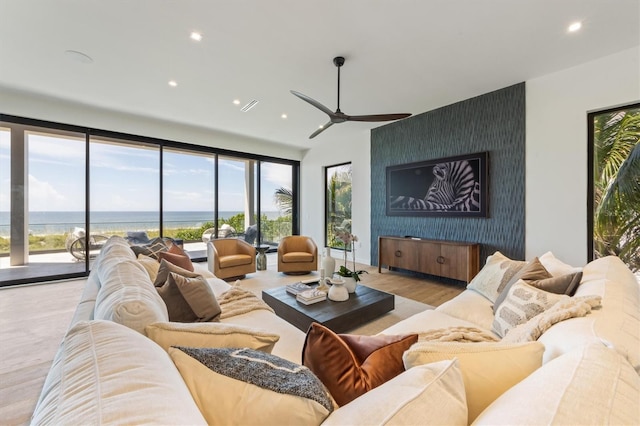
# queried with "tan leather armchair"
point(297, 254)
point(230, 258)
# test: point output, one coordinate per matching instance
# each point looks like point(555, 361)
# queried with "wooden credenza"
point(450, 259)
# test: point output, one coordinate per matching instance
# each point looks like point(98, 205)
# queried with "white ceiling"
point(401, 56)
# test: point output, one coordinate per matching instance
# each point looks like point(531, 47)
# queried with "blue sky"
point(126, 179)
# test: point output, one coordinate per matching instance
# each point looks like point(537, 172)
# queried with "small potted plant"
point(351, 276)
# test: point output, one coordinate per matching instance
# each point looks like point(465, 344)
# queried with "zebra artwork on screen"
point(453, 187)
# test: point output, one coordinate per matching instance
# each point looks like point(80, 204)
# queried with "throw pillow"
point(189, 299)
point(495, 275)
point(166, 268)
point(430, 394)
point(210, 335)
point(563, 284)
point(530, 272)
point(592, 385)
point(555, 266)
point(153, 249)
point(488, 369)
point(178, 257)
point(150, 264)
point(350, 365)
point(522, 303)
point(251, 387)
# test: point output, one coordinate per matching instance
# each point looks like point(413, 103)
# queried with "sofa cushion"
point(210, 335)
point(494, 275)
point(126, 293)
point(537, 276)
point(591, 385)
point(166, 268)
point(189, 299)
point(150, 264)
point(297, 256)
point(618, 322)
point(532, 271)
point(152, 249)
point(522, 303)
point(350, 365)
point(177, 256)
point(251, 387)
point(430, 394)
point(488, 369)
point(470, 306)
point(234, 260)
point(105, 373)
point(555, 266)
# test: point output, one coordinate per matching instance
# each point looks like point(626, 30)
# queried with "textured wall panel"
point(494, 122)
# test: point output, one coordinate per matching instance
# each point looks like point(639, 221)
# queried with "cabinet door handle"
point(398, 253)
point(440, 260)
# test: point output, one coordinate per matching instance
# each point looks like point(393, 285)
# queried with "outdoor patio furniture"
point(76, 244)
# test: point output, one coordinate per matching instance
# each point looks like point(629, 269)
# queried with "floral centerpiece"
point(348, 239)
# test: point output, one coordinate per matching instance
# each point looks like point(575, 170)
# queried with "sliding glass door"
point(188, 201)
point(125, 188)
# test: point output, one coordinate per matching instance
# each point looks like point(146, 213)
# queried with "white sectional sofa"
point(583, 370)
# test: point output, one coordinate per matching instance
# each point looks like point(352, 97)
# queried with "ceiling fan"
point(338, 116)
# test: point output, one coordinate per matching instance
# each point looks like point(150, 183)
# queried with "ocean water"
point(43, 223)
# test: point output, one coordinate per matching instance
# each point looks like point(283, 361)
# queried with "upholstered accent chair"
point(230, 258)
point(297, 254)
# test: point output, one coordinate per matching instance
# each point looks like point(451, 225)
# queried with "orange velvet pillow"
point(350, 365)
point(178, 257)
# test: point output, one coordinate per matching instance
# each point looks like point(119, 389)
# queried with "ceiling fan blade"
point(320, 130)
point(377, 117)
point(312, 102)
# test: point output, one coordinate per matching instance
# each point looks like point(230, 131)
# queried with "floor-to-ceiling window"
point(337, 203)
point(188, 196)
point(276, 201)
point(5, 191)
point(124, 186)
point(236, 200)
point(65, 189)
point(614, 177)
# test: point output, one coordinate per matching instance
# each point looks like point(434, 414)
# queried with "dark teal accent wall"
point(494, 122)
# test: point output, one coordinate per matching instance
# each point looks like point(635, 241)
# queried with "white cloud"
point(278, 174)
point(44, 197)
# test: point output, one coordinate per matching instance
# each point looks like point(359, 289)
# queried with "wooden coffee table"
point(365, 305)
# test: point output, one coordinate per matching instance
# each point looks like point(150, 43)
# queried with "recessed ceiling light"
point(236, 101)
point(575, 27)
point(284, 116)
point(196, 36)
point(173, 83)
point(321, 126)
point(78, 56)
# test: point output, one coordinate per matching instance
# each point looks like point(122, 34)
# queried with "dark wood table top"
point(365, 305)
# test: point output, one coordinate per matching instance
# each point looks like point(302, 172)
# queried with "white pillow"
point(494, 275)
point(592, 385)
point(522, 303)
point(150, 264)
point(488, 369)
point(430, 394)
point(555, 266)
point(210, 335)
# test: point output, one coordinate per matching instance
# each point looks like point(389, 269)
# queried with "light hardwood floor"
point(33, 320)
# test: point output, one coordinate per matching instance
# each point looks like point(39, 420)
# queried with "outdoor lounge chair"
point(76, 244)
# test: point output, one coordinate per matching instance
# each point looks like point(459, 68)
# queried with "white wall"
point(330, 152)
point(28, 105)
point(556, 155)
